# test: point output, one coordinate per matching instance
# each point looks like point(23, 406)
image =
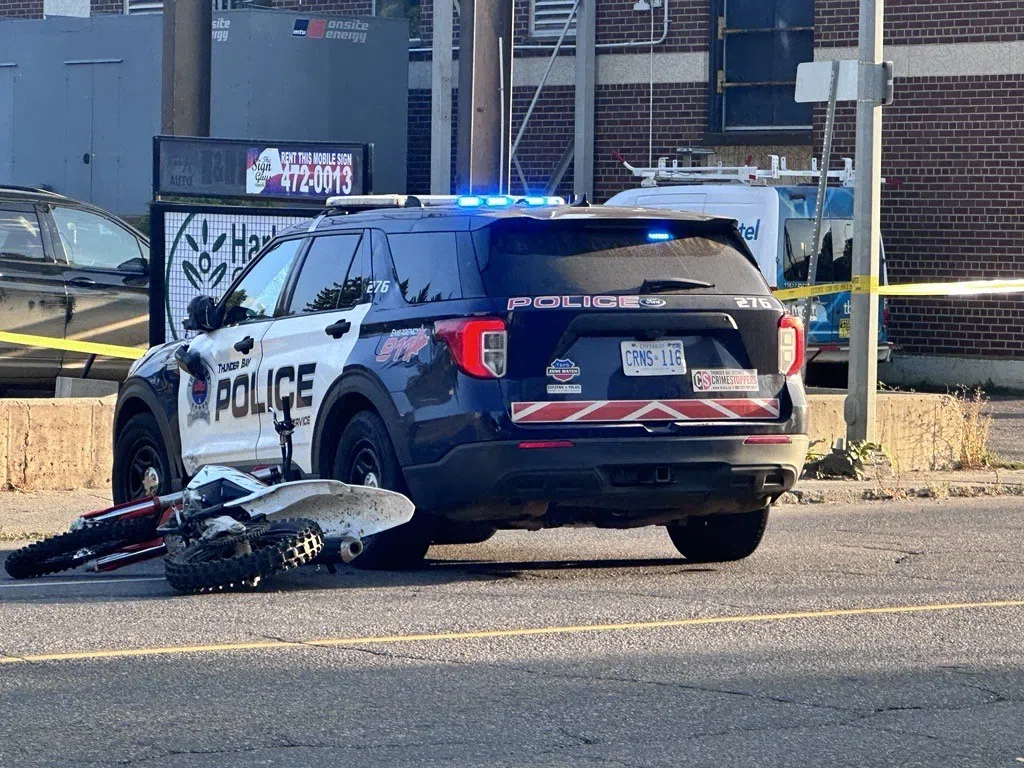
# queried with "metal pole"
point(819, 203)
point(863, 383)
point(441, 100)
point(502, 168)
point(544, 77)
point(586, 75)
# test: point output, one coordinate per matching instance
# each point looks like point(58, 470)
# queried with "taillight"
point(791, 345)
point(479, 345)
point(768, 440)
point(885, 313)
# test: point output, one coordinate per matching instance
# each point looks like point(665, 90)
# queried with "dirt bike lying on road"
point(226, 529)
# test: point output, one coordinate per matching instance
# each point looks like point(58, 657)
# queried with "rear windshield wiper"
point(666, 284)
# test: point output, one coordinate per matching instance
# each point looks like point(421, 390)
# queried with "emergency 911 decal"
point(586, 302)
point(725, 380)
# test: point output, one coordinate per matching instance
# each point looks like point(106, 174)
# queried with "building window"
point(410, 10)
point(547, 18)
point(755, 48)
point(143, 6)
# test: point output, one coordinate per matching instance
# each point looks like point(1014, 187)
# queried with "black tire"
point(139, 446)
point(74, 548)
point(206, 566)
point(719, 538)
point(462, 533)
point(365, 449)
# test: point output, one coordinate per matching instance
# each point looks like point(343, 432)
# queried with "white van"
point(778, 224)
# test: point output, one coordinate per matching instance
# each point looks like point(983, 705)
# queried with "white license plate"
point(653, 358)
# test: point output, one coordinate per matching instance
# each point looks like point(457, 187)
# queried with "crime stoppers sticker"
point(725, 380)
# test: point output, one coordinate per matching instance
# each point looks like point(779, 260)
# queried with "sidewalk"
point(928, 485)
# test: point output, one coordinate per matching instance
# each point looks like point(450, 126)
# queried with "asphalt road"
point(779, 660)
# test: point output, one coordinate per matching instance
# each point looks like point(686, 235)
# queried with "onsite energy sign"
point(243, 168)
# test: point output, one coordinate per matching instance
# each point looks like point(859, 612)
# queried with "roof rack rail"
point(666, 172)
point(36, 190)
point(353, 203)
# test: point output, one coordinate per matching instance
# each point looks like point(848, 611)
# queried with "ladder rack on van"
point(747, 174)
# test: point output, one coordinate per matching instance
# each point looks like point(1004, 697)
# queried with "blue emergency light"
point(658, 236)
point(503, 201)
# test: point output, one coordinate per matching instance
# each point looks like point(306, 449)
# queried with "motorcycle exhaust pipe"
point(350, 549)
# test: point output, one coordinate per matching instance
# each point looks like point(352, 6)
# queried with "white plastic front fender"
point(339, 509)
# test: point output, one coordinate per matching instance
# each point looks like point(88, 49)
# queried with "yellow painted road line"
point(335, 642)
point(70, 345)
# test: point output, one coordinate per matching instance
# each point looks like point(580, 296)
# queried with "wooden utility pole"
point(485, 96)
point(185, 96)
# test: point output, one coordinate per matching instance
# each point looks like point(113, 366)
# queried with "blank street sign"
point(814, 78)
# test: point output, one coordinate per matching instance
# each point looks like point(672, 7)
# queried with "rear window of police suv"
point(526, 257)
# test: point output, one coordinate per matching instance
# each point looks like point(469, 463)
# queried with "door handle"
point(82, 282)
point(338, 329)
point(245, 345)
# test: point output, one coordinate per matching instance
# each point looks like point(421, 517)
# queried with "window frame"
point(45, 235)
point(300, 254)
point(288, 294)
point(716, 133)
point(61, 255)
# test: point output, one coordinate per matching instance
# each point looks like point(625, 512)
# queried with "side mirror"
point(190, 362)
point(202, 315)
point(136, 266)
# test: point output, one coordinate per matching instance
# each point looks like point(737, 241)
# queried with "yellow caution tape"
point(785, 294)
point(70, 345)
point(963, 288)
point(862, 284)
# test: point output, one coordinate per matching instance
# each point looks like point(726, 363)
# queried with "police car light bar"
point(356, 202)
point(666, 172)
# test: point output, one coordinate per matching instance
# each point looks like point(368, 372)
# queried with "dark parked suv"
point(68, 270)
point(508, 364)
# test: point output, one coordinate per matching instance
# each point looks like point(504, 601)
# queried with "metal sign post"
point(873, 89)
point(819, 204)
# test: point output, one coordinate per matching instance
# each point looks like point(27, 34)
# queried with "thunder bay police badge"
point(199, 397)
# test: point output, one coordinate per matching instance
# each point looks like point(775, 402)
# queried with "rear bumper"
point(619, 483)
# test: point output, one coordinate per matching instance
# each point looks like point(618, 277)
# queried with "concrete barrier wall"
point(65, 444)
point(917, 431)
point(56, 445)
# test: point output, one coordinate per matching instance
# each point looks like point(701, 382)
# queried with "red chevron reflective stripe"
point(729, 409)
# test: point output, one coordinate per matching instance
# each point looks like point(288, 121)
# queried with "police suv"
point(507, 363)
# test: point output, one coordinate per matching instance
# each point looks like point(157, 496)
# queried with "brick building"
point(715, 73)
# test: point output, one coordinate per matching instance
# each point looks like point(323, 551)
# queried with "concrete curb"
point(840, 492)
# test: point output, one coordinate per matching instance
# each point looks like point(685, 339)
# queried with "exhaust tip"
point(350, 549)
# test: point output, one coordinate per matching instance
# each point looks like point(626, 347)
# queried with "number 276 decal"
point(379, 286)
point(753, 302)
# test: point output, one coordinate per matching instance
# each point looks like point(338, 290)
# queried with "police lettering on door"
point(247, 393)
